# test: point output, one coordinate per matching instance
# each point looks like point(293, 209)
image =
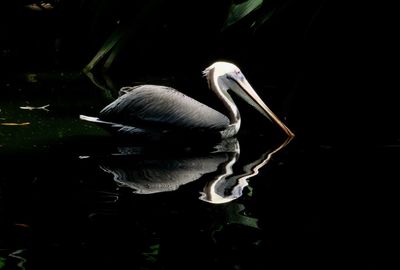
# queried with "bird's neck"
point(221, 91)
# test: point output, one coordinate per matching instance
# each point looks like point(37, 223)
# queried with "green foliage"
point(235, 215)
point(241, 10)
point(2, 262)
point(116, 41)
point(152, 254)
point(109, 47)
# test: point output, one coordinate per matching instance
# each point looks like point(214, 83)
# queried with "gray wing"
point(153, 105)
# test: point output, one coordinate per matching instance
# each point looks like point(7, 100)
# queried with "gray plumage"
point(164, 108)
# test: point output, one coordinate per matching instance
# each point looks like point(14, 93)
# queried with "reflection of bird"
point(148, 171)
point(153, 109)
point(147, 176)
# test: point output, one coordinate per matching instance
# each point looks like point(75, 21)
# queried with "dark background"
point(327, 67)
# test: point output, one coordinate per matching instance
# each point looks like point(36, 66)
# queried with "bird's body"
point(161, 108)
point(154, 110)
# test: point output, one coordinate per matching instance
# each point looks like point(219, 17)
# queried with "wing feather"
point(164, 107)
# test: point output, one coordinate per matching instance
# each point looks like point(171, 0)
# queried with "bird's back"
point(160, 107)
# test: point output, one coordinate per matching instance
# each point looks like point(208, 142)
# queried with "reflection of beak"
point(229, 186)
point(250, 96)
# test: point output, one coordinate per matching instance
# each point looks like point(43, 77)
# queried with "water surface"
point(72, 196)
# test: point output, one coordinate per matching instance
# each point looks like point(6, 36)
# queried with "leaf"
point(153, 253)
point(14, 124)
point(239, 11)
point(31, 108)
point(2, 262)
point(114, 44)
point(108, 46)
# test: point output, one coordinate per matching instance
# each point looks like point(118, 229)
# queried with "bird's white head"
point(222, 76)
point(221, 72)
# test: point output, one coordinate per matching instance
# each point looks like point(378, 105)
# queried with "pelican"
point(154, 109)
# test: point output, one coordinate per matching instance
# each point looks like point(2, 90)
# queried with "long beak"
point(250, 96)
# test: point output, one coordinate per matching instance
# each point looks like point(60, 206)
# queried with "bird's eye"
point(239, 75)
point(236, 75)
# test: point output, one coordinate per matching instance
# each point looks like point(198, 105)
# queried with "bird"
point(157, 110)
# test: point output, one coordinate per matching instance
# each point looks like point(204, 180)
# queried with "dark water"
point(72, 197)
